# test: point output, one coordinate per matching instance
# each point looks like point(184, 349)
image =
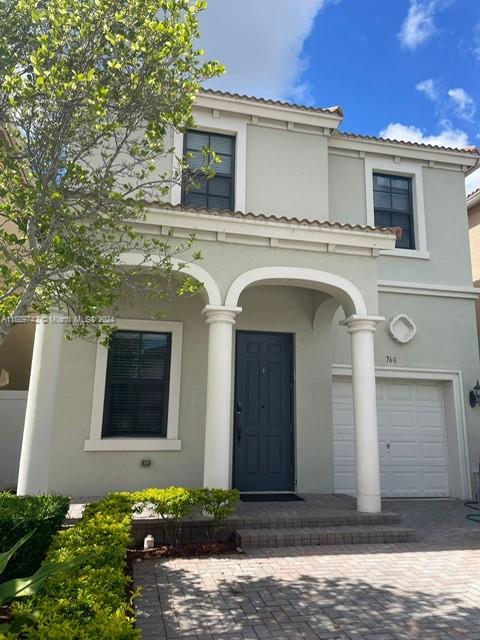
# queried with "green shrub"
point(219, 503)
point(89, 603)
point(172, 505)
point(175, 504)
point(23, 587)
point(21, 514)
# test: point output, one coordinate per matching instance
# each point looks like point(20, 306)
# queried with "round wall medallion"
point(402, 328)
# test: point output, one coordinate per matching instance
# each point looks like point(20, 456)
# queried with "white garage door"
point(412, 438)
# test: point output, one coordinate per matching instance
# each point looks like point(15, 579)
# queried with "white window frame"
point(413, 170)
point(169, 443)
point(214, 122)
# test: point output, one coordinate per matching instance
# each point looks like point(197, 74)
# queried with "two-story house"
point(327, 352)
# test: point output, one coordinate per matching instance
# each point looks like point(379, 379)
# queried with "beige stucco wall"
point(445, 220)
point(290, 173)
point(287, 173)
point(346, 185)
point(317, 346)
point(80, 473)
point(16, 356)
point(272, 308)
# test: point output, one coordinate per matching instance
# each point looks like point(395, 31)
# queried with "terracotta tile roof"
point(337, 110)
point(473, 193)
point(326, 224)
point(471, 149)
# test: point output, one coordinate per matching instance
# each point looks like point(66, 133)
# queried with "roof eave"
point(255, 108)
point(473, 199)
point(468, 159)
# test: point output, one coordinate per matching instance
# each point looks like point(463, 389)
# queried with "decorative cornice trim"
point(255, 231)
point(423, 289)
point(467, 161)
point(257, 108)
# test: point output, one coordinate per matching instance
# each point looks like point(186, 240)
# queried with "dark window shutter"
point(393, 204)
point(136, 390)
point(217, 192)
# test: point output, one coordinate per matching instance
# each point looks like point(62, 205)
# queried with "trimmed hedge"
point(88, 603)
point(21, 514)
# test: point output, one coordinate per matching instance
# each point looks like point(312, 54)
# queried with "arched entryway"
point(361, 327)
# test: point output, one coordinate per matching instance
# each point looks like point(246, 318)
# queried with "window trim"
point(213, 121)
point(233, 167)
point(169, 443)
point(399, 167)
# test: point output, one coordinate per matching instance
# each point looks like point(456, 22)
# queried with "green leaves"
point(89, 93)
point(6, 555)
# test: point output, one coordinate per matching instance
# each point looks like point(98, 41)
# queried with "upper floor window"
point(216, 192)
point(137, 385)
point(393, 206)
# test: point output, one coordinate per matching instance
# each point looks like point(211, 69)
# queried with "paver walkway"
point(429, 589)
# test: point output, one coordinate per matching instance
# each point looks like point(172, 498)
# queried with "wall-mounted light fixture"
point(474, 395)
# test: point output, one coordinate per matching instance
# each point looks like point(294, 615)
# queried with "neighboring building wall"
point(474, 235)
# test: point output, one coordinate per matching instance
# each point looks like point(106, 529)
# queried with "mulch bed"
point(181, 551)
point(5, 614)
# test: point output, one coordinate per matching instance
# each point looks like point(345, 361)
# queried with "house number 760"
point(391, 359)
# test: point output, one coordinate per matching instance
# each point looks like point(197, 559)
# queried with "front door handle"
point(238, 431)
point(388, 447)
point(238, 407)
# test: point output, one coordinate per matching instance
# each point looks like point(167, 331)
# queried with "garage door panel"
point(404, 419)
point(433, 452)
point(411, 419)
point(398, 391)
point(402, 452)
point(429, 393)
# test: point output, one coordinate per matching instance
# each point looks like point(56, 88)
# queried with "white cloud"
point(419, 24)
point(260, 43)
point(464, 103)
point(428, 88)
point(472, 182)
point(448, 136)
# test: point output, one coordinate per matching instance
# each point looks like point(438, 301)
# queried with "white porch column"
point(218, 431)
point(40, 413)
point(362, 329)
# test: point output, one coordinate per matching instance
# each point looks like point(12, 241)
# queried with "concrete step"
point(309, 536)
point(302, 520)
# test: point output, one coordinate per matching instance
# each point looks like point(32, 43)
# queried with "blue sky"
point(407, 69)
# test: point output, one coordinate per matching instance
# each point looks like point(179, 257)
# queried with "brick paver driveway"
point(429, 589)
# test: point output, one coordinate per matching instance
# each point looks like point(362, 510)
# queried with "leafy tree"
point(90, 90)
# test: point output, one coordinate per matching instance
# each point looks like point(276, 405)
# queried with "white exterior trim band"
point(208, 226)
point(421, 289)
point(343, 290)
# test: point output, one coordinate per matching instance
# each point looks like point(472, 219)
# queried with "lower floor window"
point(137, 385)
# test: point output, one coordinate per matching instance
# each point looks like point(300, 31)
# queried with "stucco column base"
point(40, 413)
point(218, 429)
point(362, 329)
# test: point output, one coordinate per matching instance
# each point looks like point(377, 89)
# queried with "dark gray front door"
point(263, 412)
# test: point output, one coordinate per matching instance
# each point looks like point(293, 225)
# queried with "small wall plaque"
point(402, 328)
